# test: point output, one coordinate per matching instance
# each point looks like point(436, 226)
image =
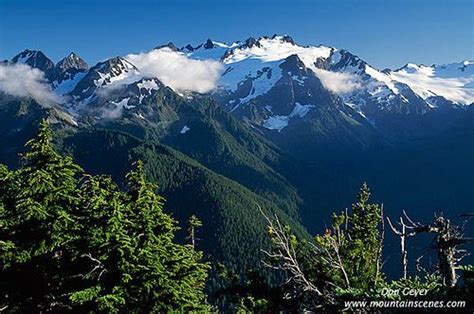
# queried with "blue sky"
point(384, 33)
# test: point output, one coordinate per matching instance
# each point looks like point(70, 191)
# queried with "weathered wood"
point(447, 239)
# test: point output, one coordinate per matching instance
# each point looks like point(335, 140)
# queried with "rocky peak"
point(251, 41)
point(346, 60)
point(35, 59)
point(189, 48)
point(284, 38)
point(208, 44)
point(114, 65)
point(294, 65)
point(169, 45)
point(72, 61)
point(104, 73)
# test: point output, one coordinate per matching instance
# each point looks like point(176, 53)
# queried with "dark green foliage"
point(222, 144)
point(344, 264)
point(18, 123)
point(133, 259)
point(252, 294)
point(364, 248)
point(37, 225)
point(305, 180)
point(220, 169)
point(86, 245)
point(354, 244)
point(228, 210)
point(216, 140)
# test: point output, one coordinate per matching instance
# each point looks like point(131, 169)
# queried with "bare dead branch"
point(285, 255)
point(382, 237)
point(98, 266)
point(392, 227)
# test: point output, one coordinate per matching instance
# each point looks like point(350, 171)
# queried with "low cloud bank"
point(22, 80)
point(339, 83)
point(177, 71)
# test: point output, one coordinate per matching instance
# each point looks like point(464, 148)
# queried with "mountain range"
point(295, 129)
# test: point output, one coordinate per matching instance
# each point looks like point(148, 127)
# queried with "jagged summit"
point(169, 45)
point(35, 59)
point(72, 61)
point(209, 44)
point(227, 49)
point(285, 38)
point(343, 60)
point(116, 65)
point(251, 41)
point(260, 72)
point(452, 81)
point(188, 47)
point(114, 71)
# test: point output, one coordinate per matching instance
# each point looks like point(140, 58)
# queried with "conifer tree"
point(37, 226)
point(105, 248)
point(364, 243)
point(177, 277)
point(133, 259)
point(85, 245)
point(342, 262)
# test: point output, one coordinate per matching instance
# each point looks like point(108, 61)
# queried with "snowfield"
point(454, 81)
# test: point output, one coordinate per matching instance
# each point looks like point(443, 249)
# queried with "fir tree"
point(177, 277)
point(364, 245)
point(86, 245)
point(134, 260)
point(37, 224)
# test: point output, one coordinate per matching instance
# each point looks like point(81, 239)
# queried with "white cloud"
point(23, 81)
point(339, 83)
point(177, 71)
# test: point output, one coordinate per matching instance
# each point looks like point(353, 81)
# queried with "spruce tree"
point(37, 226)
point(85, 245)
point(134, 262)
point(104, 248)
point(177, 276)
point(364, 245)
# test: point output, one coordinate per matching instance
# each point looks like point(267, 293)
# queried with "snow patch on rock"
point(279, 122)
point(184, 130)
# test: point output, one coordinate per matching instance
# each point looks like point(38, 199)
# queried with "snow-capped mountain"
point(374, 91)
point(105, 75)
point(111, 84)
point(254, 68)
point(68, 72)
point(271, 82)
point(110, 89)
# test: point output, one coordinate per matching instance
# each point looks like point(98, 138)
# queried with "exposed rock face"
point(36, 59)
point(72, 61)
